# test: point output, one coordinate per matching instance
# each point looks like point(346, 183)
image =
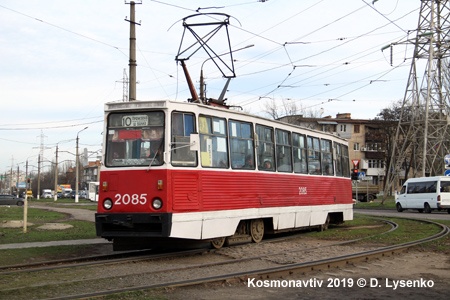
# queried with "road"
point(435, 215)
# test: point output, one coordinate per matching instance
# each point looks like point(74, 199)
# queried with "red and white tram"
point(175, 170)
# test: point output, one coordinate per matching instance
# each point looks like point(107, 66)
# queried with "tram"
point(181, 171)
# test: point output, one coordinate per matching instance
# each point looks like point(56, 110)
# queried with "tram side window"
point(314, 164)
point(241, 145)
point(339, 167)
point(284, 160)
point(299, 153)
point(266, 150)
point(213, 142)
point(327, 158)
point(345, 161)
point(182, 127)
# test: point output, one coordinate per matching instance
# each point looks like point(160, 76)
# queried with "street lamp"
point(77, 171)
point(55, 196)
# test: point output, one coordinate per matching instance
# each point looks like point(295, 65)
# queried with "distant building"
point(91, 172)
point(366, 140)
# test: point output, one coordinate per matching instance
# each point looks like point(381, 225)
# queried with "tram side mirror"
point(195, 142)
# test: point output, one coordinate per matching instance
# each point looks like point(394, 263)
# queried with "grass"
point(30, 255)
point(146, 294)
point(408, 231)
point(359, 227)
point(80, 230)
point(34, 215)
point(82, 203)
point(60, 200)
point(441, 245)
point(376, 204)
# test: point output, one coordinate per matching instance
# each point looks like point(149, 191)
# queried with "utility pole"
point(422, 138)
point(17, 183)
point(77, 172)
point(39, 176)
point(55, 196)
point(132, 64)
point(25, 207)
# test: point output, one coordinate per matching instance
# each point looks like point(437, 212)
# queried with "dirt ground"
point(411, 275)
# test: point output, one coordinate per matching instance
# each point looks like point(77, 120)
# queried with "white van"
point(425, 194)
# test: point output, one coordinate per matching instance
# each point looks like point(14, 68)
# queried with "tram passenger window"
point(266, 148)
point(327, 158)
point(345, 161)
point(182, 127)
point(241, 144)
point(338, 151)
point(213, 142)
point(299, 153)
point(284, 160)
point(314, 163)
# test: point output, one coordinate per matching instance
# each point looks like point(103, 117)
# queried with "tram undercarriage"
point(247, 231)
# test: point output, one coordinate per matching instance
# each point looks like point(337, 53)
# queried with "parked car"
point(47, 195)
point(59, 195)
point(11, 200)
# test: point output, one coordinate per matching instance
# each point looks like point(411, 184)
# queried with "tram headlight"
point(107, 204)
point(157, 203)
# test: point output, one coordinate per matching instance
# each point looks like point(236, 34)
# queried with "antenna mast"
point(422, 138)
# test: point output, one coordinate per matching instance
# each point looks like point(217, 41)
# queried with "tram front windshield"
point(135, 139)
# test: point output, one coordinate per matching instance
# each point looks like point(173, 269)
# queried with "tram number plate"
point(302, 190)
point(133, 199)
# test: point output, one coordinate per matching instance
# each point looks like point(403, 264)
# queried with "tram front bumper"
point(111, 225)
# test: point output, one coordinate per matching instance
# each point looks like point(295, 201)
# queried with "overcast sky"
point(62, 60)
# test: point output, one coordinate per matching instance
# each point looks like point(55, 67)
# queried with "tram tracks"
point(149, 255)
point(171, 273)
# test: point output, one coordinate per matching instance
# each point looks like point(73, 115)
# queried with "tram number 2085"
point(127, 199)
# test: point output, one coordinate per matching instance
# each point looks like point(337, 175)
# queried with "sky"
point(61, 61)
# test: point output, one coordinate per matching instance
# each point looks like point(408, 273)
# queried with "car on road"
point(11, 200)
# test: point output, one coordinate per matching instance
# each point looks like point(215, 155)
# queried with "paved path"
point(75, 213)
point(54, 243)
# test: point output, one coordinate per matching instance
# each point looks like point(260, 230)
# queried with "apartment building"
point(366, 138)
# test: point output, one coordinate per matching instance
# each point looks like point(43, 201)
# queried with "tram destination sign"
point(134, 120)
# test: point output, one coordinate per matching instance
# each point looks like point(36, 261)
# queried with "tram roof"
point(200, 108)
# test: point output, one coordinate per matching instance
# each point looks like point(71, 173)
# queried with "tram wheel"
point(218, 242)
point(257, 230)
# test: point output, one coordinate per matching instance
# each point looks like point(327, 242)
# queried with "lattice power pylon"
point(422, 138)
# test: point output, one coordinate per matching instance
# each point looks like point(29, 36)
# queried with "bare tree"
point(289, 110)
